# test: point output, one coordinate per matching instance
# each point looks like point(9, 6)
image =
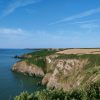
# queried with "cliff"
point(23, 67)
point(71, 73)
point(62, 71)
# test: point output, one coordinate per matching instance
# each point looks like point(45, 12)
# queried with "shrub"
point(93, 91)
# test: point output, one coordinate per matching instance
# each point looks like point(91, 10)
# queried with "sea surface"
point(11, 83)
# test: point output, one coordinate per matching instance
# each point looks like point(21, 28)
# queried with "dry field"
point(80, 51)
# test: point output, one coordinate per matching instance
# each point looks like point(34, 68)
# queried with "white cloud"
point(7, 30)
point(12, 32)
point(16, 4)
point(78, 16)
point(86, 21)
point(89, 26)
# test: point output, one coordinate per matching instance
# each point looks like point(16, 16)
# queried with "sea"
point(12, 83)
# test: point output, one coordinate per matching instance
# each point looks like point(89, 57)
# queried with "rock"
point(23, 67)
point(46, 78)
point(62, 70)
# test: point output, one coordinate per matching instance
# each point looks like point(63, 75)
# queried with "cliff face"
point(68, 74)
point(25, 68)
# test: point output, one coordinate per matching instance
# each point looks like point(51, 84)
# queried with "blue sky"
point(49, 23)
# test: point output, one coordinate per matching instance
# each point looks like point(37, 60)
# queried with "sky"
point(49, 23)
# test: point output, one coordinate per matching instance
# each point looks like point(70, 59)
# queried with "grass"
point(68, 56)
point(38, 57)
point(42, 53)
point(39, 62)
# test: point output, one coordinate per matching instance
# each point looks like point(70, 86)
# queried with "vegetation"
point(90, 93)
point(38, 57)
point(43, 53)
point(68, 56)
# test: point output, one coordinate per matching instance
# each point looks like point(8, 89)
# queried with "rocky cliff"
point(71, 73)
point(25, 68)
point(64, 71)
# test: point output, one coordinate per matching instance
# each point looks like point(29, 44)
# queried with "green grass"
point(38, 57)
point(42, 53)
point(68, 56)
point(40, 62)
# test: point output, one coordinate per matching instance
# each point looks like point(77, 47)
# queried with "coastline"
point(50, 63)
point(64, 74)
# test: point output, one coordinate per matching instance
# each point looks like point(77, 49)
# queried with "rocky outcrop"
point(25, 68)
point(46, 78)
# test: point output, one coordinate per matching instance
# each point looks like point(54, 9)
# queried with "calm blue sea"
point(11, 83)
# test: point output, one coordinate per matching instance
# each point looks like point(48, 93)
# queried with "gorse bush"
point(90, 93)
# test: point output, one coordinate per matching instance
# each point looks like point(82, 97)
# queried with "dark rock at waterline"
point(16, 56)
